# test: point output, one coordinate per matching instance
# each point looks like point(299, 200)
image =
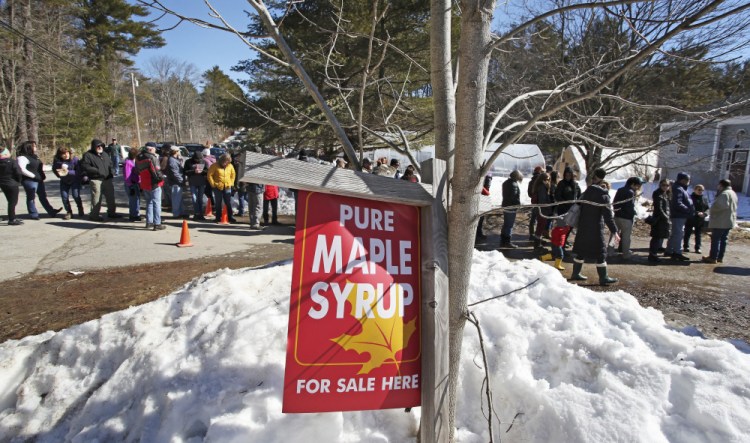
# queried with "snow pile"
point(207, 363)
point(586, 366)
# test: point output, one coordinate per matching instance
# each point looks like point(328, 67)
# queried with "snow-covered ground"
point(207, 362)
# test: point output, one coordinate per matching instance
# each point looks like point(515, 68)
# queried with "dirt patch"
point(34, 304)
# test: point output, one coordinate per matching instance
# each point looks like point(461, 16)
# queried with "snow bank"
point(586, 366)
point(207, 363)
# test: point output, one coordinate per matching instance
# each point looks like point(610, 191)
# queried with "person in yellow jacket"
point(221, 179)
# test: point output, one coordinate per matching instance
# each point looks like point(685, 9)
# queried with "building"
point(709, 151)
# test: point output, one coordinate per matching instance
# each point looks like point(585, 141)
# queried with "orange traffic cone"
point(209, 208)
point(184, 236)
point(224, 216)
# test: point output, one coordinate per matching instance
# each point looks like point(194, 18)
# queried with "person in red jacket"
point(152, 181)
point(558, 237)
point(271, 198)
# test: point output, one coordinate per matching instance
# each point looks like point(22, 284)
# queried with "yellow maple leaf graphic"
point(381, 338)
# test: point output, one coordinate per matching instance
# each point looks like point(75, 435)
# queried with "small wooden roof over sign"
point(295, 174)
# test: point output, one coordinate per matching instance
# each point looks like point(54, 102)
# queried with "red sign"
point(354, 340)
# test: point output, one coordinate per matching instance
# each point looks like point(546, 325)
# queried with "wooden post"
point(434, 426)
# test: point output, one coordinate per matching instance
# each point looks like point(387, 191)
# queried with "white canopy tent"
point(635, 164)
point(523, 157)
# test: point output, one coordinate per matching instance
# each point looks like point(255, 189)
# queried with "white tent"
point(523, 157)
point(636, 164)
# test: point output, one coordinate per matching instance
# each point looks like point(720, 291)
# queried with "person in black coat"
point(624, 207)
point(541, 190)
point(99, 169)
point(10, 179)
point(567, 189)
point(534, 211)
point(196, 170)
point(662, 223)
point(590, 243)
point(695, 223)
point(511, 197)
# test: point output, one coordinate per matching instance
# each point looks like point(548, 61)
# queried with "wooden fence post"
point(434, 426)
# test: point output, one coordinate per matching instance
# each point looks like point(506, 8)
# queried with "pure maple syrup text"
point(387, 302)
point(380, 253)
point(366, 218)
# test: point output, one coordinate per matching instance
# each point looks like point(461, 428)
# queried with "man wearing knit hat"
point(99, 169)
point(590, 243)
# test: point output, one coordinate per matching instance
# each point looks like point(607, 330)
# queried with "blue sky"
point(206, 48)
point(203, 47)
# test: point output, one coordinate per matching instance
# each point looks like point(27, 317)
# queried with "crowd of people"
point(559, 208)
point(158, 178)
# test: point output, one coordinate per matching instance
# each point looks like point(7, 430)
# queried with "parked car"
point(194, 147)
point(216, 151)
point(124, 151)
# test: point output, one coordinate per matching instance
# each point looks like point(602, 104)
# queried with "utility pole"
point(135, 107)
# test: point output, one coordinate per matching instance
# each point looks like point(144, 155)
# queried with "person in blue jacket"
point(681, 208)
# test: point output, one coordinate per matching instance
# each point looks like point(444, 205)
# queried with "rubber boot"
point(605, 279)
point(546, 257)
point(577, 272)
point(558, 264)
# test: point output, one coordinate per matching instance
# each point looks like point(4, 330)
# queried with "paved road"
point(54, 245)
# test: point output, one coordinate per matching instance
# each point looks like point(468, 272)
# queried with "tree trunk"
point(442, 81)
point(476, 19)
point(32, 120)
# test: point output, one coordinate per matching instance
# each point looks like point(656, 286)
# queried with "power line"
point(42, 47)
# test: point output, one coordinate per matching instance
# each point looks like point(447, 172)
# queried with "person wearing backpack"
point(589, 243)
point(152, 181)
